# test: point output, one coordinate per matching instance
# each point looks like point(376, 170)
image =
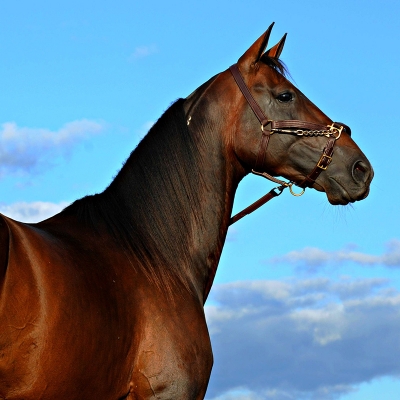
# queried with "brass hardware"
point(329, 159)
point(188, 120)
point(333, 129)
point(271, 131)
point(293, 193)
point(278, 190)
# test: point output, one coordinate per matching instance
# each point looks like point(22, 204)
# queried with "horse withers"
point(105, 299)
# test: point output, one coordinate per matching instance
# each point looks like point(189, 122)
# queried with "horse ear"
point(254, 53)
point(276, 51)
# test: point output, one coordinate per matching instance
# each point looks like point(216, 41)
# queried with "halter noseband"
point(292, 127)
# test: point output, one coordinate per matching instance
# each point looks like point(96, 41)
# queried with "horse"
point(105, 300)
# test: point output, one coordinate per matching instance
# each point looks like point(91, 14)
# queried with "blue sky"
point(307, 296)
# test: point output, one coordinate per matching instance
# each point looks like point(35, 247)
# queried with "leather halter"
point(292, 127)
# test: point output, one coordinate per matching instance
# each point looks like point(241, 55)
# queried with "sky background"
point(306, 301)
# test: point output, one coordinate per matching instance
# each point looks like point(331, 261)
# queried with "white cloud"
point(313, 258)
point(313, 339)
point(31, 212)
point(143, 51)
point(232, 234)
point(275, 394)
point(28, 149)
point(239, 394)
point(144, 129)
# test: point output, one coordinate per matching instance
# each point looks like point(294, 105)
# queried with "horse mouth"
point(341, 195)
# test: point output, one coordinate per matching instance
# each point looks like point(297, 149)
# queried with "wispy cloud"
point(25, 149)
point(313, 339)
point(313, 258)
point(239, 394)
point(232, 234)
point(143, 51)
point(144, 129)
point(31, 212)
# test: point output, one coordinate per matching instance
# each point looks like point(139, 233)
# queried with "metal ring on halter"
point(333, 128)
point(293, 193)
point(340, 132)
point(262, 128)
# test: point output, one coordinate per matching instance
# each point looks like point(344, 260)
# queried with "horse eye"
point(285, 97)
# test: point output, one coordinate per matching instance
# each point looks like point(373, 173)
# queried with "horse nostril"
point(361, 171)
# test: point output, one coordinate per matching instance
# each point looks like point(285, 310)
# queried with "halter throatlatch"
point(292, 127)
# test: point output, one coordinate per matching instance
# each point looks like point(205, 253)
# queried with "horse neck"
point(176, 190)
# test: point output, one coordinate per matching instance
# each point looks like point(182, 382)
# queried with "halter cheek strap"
point(293, 127)
point(263, 119)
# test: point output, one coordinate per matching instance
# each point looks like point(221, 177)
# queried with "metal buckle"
point(324, 156)
point(333, 129)
point(278, 190)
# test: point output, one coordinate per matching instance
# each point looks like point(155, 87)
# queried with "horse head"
point(297, 140)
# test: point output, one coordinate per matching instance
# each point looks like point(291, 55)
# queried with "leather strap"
point(262, 149)
point(295, 123)
point(295, 127)
point(257, 204)
point(247, 94)
point(265, 123)
point(322, 164)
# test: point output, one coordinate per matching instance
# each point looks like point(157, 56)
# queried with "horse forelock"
point(275, 63)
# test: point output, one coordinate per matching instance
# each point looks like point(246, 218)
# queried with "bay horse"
point(105, 299)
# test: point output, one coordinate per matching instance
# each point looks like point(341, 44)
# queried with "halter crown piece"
point(291, 127)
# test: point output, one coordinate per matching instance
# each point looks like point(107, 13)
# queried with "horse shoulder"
point(4, 244)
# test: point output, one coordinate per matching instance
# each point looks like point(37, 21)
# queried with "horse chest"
point(173, 358)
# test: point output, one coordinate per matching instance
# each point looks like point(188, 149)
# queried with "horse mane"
point(275, 63)
point(151, 206)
